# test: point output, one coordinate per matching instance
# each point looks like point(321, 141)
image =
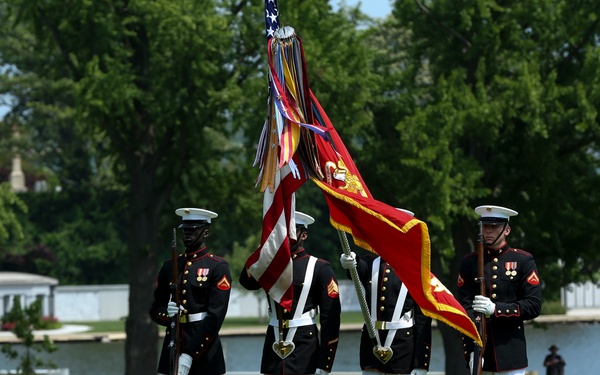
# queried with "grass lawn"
point(119, 325)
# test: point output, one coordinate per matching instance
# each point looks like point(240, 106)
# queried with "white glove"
point(471, 362)
point(484, 305)
point(321, 372)
point(172, 309)
point(185, 362)
point(418, 371)
point(348, 261)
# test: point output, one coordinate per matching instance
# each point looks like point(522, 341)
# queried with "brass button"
point(387, 270)
point(495, 277)
point(383, 288)
point(189, 263)
point(186, 272)
point(184, 291)
point(185, 281)
point(382, 298)
point(495, 259)
point(381, 308)
point(184, 301)
point(494, 295)
point(385, 279)
point(494, 286)
point(495, 268)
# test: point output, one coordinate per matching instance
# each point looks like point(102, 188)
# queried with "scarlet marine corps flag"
point(402, 240)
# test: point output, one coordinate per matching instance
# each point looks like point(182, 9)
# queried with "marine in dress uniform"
point(401, 324)
point(204, 288)
point(314, 351)
point(513, 290)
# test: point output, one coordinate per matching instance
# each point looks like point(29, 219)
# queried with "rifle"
point(174, 343)
point(480, 317)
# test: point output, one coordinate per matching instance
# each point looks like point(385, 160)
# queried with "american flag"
point(271, 17)
point(271, 264)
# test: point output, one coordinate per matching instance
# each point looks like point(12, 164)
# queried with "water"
point(578, 345)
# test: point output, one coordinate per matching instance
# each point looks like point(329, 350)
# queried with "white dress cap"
point(406, 211)
point(495, 212)
point(303, 219)
point(195, 214)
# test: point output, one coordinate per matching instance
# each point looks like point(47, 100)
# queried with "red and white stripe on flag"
point(271, 263)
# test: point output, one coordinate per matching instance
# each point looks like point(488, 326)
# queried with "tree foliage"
point(23, 320)
point(492, 103)
point(134, 109)
point(10, 206)
point(162, 101)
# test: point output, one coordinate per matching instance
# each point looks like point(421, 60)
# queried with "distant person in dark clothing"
point(554, 363)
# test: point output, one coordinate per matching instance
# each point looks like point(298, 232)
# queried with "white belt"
point(307, 319)
point(189, 318)
point(401, 324)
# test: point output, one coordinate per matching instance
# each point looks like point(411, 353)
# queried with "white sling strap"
point(396, 323)
point(299, 318)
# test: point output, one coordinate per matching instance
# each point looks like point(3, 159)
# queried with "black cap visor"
point(192, 224)
point(496, 220)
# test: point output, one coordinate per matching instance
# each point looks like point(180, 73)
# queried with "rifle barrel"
point(480, 317)
point(175, 335)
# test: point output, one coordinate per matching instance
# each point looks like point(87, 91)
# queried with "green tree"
point(22, 322)
point(164, 100)
point(143, 82)
point(483, 102)
point(10, 206)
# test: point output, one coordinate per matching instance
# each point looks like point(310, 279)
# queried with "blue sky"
point(374, 8)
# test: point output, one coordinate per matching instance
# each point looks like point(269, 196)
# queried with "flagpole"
point(383, 354)
point(360, 291)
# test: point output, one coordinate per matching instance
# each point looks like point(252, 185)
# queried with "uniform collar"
point(499, 251)
point(198, 253)
point(300, 253)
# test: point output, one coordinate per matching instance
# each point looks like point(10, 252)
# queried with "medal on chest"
point(202, 274)
point(511, 269)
